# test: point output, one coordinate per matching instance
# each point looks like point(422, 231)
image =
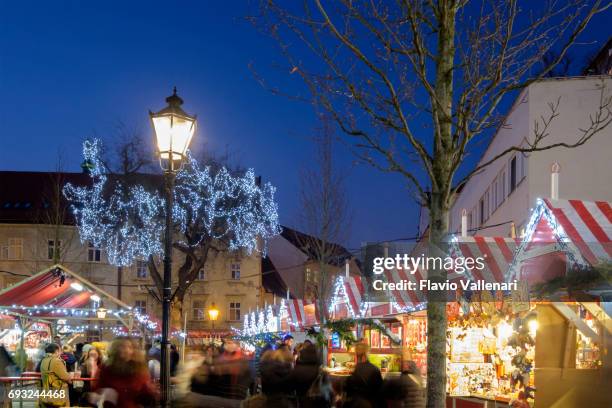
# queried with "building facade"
point(37, 231)
point(503, 193)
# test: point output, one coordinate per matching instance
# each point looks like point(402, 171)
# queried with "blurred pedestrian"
point(194, 359)
point(91, 369)
point(54, 379)
point(68, 357)
point(406, 391)
point(174, 359)
point(287, 343)
point(276, 388)
point(84, 350)
point(126, 374)
point(7, 369)
point(310, 383)
point(231, 371)
point(363, 387)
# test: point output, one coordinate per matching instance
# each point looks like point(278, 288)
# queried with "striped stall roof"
point(588, 224)
point(497, 252)
point(355, 291)
point(300, 314)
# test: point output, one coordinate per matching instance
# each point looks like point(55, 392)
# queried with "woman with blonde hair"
point(126, 374)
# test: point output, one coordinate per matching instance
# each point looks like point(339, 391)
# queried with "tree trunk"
point(436, 310)
point(439, 200)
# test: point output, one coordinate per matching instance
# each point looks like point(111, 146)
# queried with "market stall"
point(56, 301)
point(545, 338)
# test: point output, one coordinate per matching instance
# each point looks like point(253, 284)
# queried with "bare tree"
point(55, 214)
point(324, 216)
point(215, 210)
point(414, 85)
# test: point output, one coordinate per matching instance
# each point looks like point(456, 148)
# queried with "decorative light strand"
point(128, 222)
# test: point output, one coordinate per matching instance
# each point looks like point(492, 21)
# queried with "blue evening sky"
point(74, 69)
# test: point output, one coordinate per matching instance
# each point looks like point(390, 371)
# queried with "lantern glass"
point(173, 134)
point(213, 313)
point(174, 129)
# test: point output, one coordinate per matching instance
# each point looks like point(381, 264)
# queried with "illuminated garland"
point(128, 222)
point(259, 322)
point(341, 296)
point(564, 241)
point(36, 310)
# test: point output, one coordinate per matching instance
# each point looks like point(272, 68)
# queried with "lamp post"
point(174, 129)
point(213, 313)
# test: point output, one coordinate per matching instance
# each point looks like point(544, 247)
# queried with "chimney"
point(554, 181)
point(464, 226)
point(346, 269)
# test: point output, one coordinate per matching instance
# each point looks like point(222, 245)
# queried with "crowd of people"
point(279, 375)
point(290, 376)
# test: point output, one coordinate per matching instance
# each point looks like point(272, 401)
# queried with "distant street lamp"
point(174, 129)
point(213, 314)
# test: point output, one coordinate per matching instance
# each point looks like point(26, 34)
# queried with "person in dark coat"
point(364, 386)
point(275, 369)
point(406, 391)
point(304, 375)
point(174, 359)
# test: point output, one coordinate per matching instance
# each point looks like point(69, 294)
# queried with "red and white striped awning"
point(302, 313)
point(563, 233)
point(350, 292)
point(354, 289)
point(588, 224)
point(497, 253)
point(406, 298)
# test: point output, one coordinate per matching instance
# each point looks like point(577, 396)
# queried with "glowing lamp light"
point(76, 286)
point(95, 298)
point(174, 129)
point(504, 330)
point(101, 313)
point(533, 327)
point(213, 312)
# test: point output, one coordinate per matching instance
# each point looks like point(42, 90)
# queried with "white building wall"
point(585, 171)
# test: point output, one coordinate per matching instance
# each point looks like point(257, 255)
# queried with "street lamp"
point(213, 313)
point(174, 129)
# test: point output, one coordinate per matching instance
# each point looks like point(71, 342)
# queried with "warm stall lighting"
point(101, 313)
point(504, 330)
point(76, 286)
point(533, 327)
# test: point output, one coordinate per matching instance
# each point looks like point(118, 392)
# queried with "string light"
point(340, 296)
point(128, 224)
point(540, 211)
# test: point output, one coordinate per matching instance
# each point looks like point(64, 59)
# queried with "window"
point(234, 311)
point(198, 310)
point(235, 270)
point(54, 248)
point(482, 207)
point(512, 174)
point(486, 204)
point(141, 269)
point(522, 166)
point(309, 275)
point(494, 192)
point(201, 275)
point(501, 186)
point(93, 253)
point(15, 248)
point(140, 306)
